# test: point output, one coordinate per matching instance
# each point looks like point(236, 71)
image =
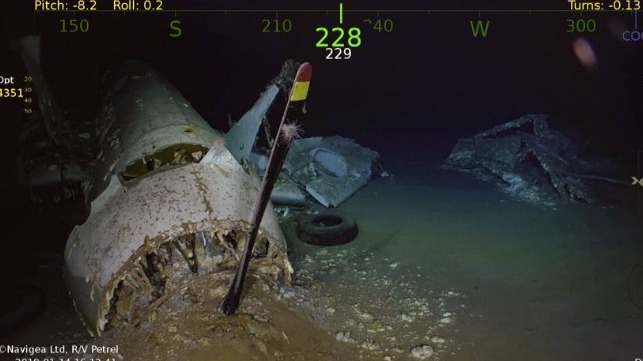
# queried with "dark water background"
point(544, 279)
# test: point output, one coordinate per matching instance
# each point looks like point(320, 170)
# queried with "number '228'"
point(354, 40)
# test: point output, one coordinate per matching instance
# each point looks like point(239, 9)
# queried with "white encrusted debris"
point(422, 351)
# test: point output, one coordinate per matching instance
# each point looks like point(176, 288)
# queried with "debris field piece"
point(169, 196)
point(157, 212)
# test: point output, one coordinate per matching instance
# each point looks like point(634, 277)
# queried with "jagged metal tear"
point(240, 139)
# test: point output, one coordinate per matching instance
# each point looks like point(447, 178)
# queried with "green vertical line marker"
point(341, 13)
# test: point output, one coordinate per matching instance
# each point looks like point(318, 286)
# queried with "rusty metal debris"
point(528, 160)
point(184, 220)
point(166, 200)
point(330, 169)
point(158, 214)
point(145, 125)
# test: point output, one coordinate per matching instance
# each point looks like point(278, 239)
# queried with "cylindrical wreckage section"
point(152, 224)
point(145, 124)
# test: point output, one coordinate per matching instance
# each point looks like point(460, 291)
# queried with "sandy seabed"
point(444, 267)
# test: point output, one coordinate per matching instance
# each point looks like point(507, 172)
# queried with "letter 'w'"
point(477, 27)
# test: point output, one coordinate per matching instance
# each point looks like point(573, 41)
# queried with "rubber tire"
point(341, 229)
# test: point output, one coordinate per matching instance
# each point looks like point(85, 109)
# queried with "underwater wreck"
point(530, 161)
point(157, 210)
point(168, 197)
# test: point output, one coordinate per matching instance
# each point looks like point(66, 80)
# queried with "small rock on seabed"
point(422, 351)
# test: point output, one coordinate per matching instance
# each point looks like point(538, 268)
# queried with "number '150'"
point(74, 25)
